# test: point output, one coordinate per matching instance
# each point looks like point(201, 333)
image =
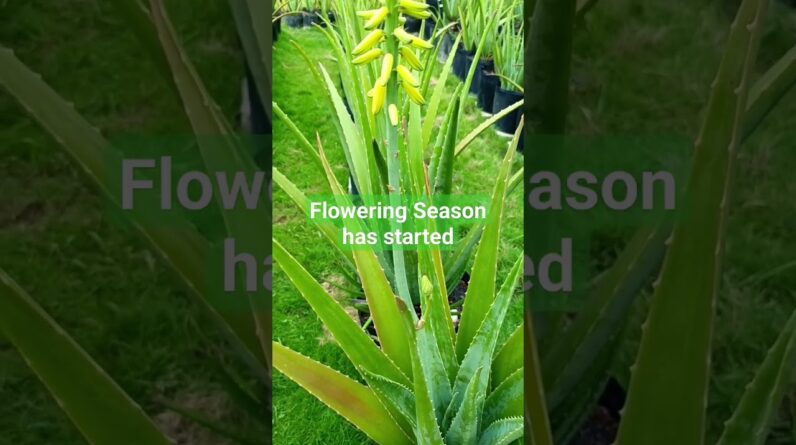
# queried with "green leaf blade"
point(98, 407)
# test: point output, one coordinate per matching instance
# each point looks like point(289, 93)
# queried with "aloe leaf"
point(440, 140)
point(456, 263)
point(329, 231)
point(569, 414)
point(357, 345)
point(509, 357)
point(574, 352)
point(769, 89)
point(304, 143)
point(503, 432)
point(394, 393)
point(384, 309)
point(481, 290)
point(220, 154)
point(437, 316)
point(351, 139)
point(436, 97)
point(428, 429)
point(668, 389)
point(464, 427)
point(355, 402)
point(255, 39)
point(752, 419)
point(506, 399)
point(98, 407)
point(184, 249)
point(548, 53)
point(415, 150)
point(444, 180)
point(485, 125)
point(538, 422)
point(482, 348)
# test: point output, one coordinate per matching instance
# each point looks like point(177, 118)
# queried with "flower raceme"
point(400, 64)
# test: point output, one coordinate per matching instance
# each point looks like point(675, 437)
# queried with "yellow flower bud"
point(378, 94)
point(367, 57)
point(407, 76)
point(393, 112)
point(402, 35)
point(386, 70)
point(420, 43)
point(368, 42)
point(413, 93)
point(377, 18)
point(410, 58)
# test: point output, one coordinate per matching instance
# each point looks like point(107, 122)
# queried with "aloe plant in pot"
point(509, 76)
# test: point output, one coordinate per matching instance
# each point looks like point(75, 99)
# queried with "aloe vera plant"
point(509, 54)
point(425, 381)
point(386, 82)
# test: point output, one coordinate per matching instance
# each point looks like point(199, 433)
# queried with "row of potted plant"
point(302, 13)
point(497, 82)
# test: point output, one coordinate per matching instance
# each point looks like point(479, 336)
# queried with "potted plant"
point(509, 74)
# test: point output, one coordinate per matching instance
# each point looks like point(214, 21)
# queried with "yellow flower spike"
point(402, 35)
point(368, 57)
point(368, 42)
point(386, 70)
point(379, 93)
point(410, 58)
point(377, 18)
point(413, 93)
point(393, 112)
point(421, 44)
point(407, 76)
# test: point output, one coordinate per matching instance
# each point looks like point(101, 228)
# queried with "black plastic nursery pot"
point(484, 66)
point(445, 48)
point(294, 20)
point(276, 29)
point(486, 92)
point(412, 25)
point(503, 99)
point(428, 29)
point(462, 62)
point(311, 18)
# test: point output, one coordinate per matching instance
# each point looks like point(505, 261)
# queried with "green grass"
point(95, 277)
point(295, 325)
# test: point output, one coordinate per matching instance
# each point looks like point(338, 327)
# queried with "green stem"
point(393, 159)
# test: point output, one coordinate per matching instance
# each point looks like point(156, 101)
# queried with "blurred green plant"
point(96, 405)
point(668, 389)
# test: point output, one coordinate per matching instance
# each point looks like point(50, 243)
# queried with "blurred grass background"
point(640, 66)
